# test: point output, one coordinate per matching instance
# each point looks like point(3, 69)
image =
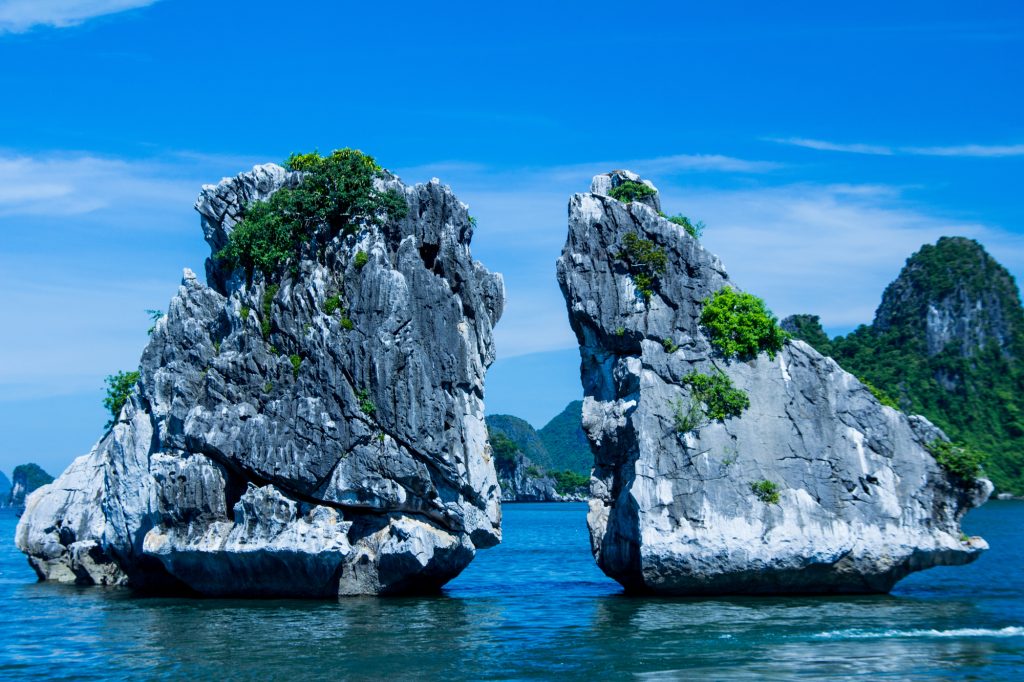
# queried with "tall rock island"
point(728, 458)
point(310, 422)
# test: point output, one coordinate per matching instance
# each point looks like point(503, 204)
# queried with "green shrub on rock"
point(740, 325)
point(629, 191)
point(645, 261)
point(695, 230)
point(119, 387)
point(961, 461)
point(766, 491)
point(336, 194)
point(712, 398)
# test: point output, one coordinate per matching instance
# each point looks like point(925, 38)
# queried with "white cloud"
point(970, 150)
point(116, 191)
point(823, 145)
point(964, 150)
point(18, 16)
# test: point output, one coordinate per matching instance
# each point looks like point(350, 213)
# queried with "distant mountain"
point(26, 478)
point(560, 446)
point(525, 437)
point(947, 342)
point(524, 481)
point(5, 489)
point(565, 441)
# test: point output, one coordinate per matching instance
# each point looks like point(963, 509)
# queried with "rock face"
point(523, 481)
point(860, 501)
point(324, 437)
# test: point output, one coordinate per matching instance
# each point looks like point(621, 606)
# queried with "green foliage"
point(961, 461)
point(808, 328)
point(645, 262)
point(534, 471)
point(695, 230)
point(245, 313)
point(880, 395)
point(154, 317)
point(569, 482)
point(631, 191)
point(268, 387)
point(268, 302)
point(620, 331)
point(296, 364)
point(336, 194)
point(503, 448)
point(740, 325)
point(766, 491)
point(119, 387)
point(712, 398)
point(472, 221)
point(216, 347)
point(361, 259)
point(332, 304)
point(669, 345)
point(365, 404)
point(347, 324)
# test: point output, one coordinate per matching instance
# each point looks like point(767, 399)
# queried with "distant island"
point(25, 479)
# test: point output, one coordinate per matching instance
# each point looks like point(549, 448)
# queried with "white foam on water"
point(1011, 631)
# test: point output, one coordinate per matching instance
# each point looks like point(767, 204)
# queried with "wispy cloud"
point(18, 16)
point(975, 150)
point(114, 190)
point(964, 150)
point(823, 145)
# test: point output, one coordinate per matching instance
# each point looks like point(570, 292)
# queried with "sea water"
point(534, 607)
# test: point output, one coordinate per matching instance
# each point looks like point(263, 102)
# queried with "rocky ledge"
point(805, 485)
point(316, 433)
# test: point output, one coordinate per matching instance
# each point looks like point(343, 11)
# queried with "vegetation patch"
point(961, 461)
point(503, 447)
point(268, 303)
point(669, 345)
point(296, 364)
point(154, 317)
point(695, 230)
point(332, 304)
point(630, 191)
point(740, 325)
point(880, 395)
point(645, 262)
point(712, 398)
point(336, 195)
point(361, 259)
point(569, 482)
point(766, 491)
point(245, 313)
point(365, 404)
point(119, 387)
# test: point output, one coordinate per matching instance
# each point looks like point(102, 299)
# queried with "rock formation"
point(319, 434)
point(947, 341)
point(815, 487)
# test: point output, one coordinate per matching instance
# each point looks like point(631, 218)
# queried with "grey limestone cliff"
point(859, 501)
point(321, 436)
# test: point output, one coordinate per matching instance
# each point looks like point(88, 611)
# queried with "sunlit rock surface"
point(861, 501)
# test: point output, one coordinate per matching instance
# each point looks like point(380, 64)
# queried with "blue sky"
point(821, 144)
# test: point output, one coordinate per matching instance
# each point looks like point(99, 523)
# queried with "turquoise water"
point(536, 606)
